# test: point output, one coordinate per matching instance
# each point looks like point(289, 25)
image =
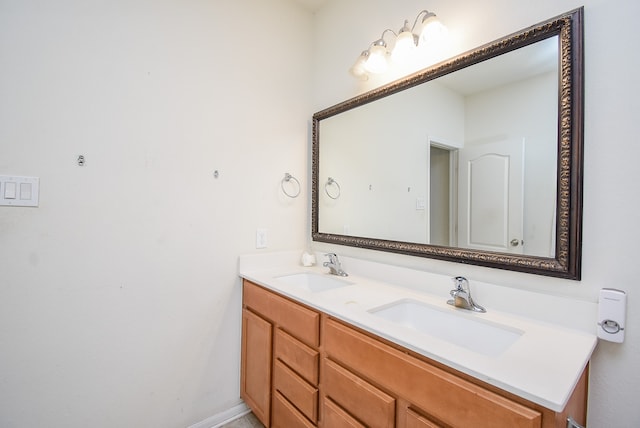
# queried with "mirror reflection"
point(466, 160)
point(475, 160)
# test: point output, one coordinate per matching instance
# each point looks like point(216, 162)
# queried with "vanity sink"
point(313, 282)
point(470, 332)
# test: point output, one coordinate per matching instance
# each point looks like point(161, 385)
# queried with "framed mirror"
point(475, 160)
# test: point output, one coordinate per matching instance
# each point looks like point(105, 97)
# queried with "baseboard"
point(222, 418)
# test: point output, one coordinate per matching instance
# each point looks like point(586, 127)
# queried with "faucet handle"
point(462, 295)
point(461, 283)
point(334, 265)
point(333, 257)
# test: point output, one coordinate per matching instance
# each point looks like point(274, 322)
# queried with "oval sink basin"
point(313, 282)
point(481, 336)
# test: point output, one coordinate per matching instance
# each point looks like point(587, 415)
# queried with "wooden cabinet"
point(280, 359)
point(365, 402)
point(416, 420)
point(428, 394)
point(294, 377)
point(335, 417)
point(255, 376)
point(285, 415)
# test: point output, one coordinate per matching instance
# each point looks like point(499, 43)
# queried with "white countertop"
point(543, 365)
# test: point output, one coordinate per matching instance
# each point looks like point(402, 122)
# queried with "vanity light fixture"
point(426, 29)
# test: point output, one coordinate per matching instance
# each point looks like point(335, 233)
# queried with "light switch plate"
point(261, 238)
point(16, 191)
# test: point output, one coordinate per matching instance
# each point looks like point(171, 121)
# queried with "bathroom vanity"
point(318, 350)
point(381, 347)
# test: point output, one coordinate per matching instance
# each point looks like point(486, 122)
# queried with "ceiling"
point(520, 64)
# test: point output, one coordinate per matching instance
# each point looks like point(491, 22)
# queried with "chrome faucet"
point(462, 296)
point(335, 268)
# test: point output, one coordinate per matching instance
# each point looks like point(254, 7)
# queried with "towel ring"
point(288, 178)
point(331, 181)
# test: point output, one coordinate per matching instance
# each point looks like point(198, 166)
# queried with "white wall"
point(611, 232)
point(119, 295)
point(378, 183)
point(506, 113)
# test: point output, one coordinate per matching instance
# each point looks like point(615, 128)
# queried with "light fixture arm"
point(380, 41)
point(405, 29)
point(427, 15)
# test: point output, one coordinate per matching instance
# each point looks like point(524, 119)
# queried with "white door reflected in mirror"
point(491, 196)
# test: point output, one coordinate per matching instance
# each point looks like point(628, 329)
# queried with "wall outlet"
point(261, 238)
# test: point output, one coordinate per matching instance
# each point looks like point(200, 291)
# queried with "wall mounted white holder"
point(612, 312)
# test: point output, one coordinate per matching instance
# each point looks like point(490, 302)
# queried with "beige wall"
point(119, 295)
point(119, 298)
point(611, 232)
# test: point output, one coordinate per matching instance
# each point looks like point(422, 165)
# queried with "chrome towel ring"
point(331, 182)
point(287, 179)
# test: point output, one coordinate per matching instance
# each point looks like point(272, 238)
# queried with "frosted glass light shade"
point(377, 61)
point(404, 48)
point(432, 30)
point(358, 69)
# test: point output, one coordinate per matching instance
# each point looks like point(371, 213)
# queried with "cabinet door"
point(255, 382)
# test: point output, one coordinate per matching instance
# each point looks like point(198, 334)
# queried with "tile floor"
point(247, 421)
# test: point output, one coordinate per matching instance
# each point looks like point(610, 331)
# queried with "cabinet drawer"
point(335, 417)
point(301, 358)
point(286, 416)
point(441, 393)
point(296, 390)
point(301, 322)
point(415, 420)
point(361, 399)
